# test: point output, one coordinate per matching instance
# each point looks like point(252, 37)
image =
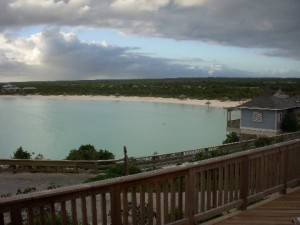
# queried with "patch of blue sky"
point(249, 59)
point(28, 30)
point(158, 47)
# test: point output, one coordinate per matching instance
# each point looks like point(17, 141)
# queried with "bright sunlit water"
point(54, 127)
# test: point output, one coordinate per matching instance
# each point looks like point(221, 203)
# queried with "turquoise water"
point(54, 127)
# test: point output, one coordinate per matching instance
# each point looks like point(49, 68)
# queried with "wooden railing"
point(162, 160)
point(55, 166)
point(233, 126)
point(180, 195)
point(145, 163)
point(234, 123)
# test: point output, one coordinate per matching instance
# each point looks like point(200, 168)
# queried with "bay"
point(52, 127)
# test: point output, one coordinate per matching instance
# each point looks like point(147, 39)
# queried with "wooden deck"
point(280, 210)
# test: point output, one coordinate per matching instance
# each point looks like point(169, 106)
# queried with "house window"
point(257, 117)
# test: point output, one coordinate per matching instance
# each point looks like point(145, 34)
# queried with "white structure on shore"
point(9, 88)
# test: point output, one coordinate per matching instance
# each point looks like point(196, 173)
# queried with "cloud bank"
point(53, 54)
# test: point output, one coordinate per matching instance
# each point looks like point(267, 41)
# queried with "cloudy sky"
point(112, 39)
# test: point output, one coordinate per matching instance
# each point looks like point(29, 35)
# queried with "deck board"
point(279, 211)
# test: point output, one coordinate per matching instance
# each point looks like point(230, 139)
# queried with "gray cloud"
point(270, 24)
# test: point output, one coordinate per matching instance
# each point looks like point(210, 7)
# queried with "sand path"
point(10, 182)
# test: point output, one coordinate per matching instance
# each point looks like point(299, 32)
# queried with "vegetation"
point(262, 141)
point(47, 211)
point(47, 218)
point(290, 123)
point(216, 153)
point(115, 171)
point(195, 88)
point(88, 152)
point(139, 210)
point(231, 138)
point(222, 150)
point(22, 154)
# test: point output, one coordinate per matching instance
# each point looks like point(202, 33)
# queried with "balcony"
point(180, 195)
point(233, 126)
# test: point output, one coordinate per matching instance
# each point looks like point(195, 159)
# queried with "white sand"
point(213, 103)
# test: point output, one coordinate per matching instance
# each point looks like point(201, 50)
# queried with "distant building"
point(262, 116)
point(9, 88)
point(12, 89)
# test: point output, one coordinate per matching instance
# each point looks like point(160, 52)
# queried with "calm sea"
point(54, 127)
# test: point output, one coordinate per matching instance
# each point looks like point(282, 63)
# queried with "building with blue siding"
point(262, 116)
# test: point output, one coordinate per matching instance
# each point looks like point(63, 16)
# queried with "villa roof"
point(278, 101)
point(8, 86)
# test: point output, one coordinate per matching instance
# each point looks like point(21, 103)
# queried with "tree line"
point(195, 88)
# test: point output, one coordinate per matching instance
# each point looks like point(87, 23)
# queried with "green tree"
point(231, 137)
point(88, 152)
point(290, 123)
point(21, 154)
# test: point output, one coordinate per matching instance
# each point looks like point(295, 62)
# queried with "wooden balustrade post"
point(190, 196)
point(96, 167)
point(1, 219)
point(116, 205)
point(126, 164)
point(16, 216)
point(284, 168)
point(244, 190)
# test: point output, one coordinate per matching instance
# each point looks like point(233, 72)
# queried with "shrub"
point(48, 220)
point(139, 209)
point(115, 171)
point(262, 141)
point(231, 137)
point(202, 155)
point(39, 157)
point(88, 152)
point(290, 123)
point(47, 211)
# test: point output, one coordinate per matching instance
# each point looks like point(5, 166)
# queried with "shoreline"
point(213, 103)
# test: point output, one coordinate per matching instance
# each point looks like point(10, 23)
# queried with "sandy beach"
point(213, 103)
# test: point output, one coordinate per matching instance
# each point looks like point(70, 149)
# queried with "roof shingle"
point(272, 102)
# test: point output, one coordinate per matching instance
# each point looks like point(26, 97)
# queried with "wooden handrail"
point(180, 195)
point(160, 160)
point(99, 166)
point(52, 166)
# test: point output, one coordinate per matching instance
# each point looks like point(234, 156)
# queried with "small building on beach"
point(9, 88)
point(13, 89)
point(262, 116)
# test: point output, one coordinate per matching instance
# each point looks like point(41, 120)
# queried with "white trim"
point(257, 108)
point(258, 129)
point(276, 119)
